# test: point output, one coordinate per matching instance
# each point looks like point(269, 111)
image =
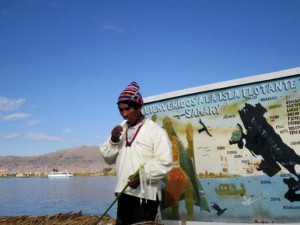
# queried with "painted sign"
point(236, 150)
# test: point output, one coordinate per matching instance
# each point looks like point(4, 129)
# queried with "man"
point(139, 145)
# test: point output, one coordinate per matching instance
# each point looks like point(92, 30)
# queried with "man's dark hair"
point(131, 104)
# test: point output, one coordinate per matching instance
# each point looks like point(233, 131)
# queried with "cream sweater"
point(151, 151)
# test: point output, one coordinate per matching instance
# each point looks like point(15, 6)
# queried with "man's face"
point(130, 114)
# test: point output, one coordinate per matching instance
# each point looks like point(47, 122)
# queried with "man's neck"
point(140, 119)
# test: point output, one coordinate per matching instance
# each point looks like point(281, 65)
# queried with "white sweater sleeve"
point(109, 151)
point(162, 161)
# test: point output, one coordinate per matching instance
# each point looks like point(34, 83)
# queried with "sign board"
point(236, 150)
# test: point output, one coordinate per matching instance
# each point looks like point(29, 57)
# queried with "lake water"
point(47, 196)
point(93, 195)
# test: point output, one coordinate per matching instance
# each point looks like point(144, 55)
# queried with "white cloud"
point(101, 138)
point(113, 28)
point(42, 137)
point(68, 130)
point(15, 116)
point(33, 122)
point(10, 104)
point(9, 136)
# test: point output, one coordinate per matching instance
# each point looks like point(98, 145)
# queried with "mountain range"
point(79, 159)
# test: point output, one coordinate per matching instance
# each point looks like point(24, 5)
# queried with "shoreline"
point(57, 219)
point(45, 175)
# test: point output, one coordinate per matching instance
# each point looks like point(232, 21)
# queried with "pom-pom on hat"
point(131, 93)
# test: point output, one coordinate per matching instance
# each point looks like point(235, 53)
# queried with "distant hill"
point(80, 159)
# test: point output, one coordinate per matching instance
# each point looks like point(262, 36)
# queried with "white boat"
point(60, 174)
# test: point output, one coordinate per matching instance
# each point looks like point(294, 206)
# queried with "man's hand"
point(133, 181)
point(116, 133)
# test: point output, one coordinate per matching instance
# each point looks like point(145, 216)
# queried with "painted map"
point(236, 153)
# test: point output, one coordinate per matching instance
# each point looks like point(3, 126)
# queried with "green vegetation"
point(216, 175)
point(262, 215)
point(105, 172)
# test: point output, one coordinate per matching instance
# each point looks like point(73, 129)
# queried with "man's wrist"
point(113, 142)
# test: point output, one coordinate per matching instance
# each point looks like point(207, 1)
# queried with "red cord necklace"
point(128, 143)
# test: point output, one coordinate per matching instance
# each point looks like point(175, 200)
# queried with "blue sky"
point(63, 63)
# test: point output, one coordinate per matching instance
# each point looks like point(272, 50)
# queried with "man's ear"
point(139, 108)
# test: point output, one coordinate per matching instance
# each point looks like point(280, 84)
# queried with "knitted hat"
point(131, 93)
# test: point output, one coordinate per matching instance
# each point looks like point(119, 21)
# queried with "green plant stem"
point(117, 197)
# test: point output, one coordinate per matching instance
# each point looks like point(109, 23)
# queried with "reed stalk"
point(117, 197)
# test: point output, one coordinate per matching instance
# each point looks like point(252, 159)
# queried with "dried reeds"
point(57, 219)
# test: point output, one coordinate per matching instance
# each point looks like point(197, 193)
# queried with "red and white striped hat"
point(131, 93)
